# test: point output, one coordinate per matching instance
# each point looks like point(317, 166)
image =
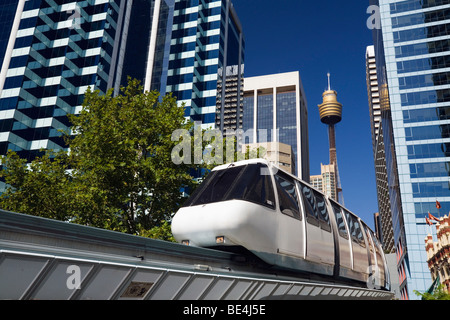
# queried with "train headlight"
point(220, 239)
point(185, 242)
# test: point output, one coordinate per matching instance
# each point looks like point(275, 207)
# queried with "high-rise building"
point(53, 50)
point(145, 43)
point(373, 94)
point(383, 222)
point(326, 181)
point(277, 153)
point(206, 63)
point(277, 103)
point(412, 50)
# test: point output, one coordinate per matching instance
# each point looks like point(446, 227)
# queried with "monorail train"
point(283, 221)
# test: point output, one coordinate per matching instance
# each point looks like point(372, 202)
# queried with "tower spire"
point(329, 82)
point(330, 112)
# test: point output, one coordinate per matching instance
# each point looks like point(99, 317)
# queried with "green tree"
point(41, 188)
point(122, 155)
point(438, 294)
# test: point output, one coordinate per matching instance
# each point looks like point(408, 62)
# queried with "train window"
point(312, 215)
point(217, 185)
point(322, 212)
point(254, 187)
point(199, 190)
point(287, 196)
point(340, 221)
point(369, 237)
point(235, 183)
point(355, 229)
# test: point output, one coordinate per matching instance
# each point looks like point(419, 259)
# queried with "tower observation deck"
point(330, 112)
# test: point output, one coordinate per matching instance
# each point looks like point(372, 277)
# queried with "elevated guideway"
point(48, 259)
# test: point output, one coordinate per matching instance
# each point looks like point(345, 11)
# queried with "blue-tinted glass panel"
point(427, 80)
point(430, 150)
point(264, 117)
point(428, 132)
point(422, 48)
point(420, 18)
point(421, 33)
point(17, 62)
point(410, 5)
point(431, 189)
point(430, 170)
point(425, 97)
point(287, 119)
point(423, 64)
point(422, 209)
point(248, 113)
point(426, 114)
point(8, 103)
point(7, 13)
point(13, 82)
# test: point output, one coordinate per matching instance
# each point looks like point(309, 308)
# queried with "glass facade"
point(7, 13)
point(62, 47)
point(275, 110)
point(286, 119)
point(413, 56)
point(137, 50)
point(206, 62)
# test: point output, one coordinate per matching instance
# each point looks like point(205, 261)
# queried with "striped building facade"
point(53, 50)
point(206, 62)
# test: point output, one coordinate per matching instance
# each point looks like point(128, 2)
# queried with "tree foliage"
point(118, 174)
point(438, 294)
point(41, 188)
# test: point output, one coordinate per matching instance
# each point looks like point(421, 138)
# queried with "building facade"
point(438, 252)
point(275, 110)
point(277, 153)
point(412, 50)
point(373, 94)
point(56, 49)
point(383, 221)
point(326, 181)
point(206, 63)
point(53, 50)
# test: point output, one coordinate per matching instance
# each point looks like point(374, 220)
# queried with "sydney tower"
point(330, 112)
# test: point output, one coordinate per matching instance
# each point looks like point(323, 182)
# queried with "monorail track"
point(48, 259)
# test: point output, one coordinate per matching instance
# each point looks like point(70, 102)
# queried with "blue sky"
point(316, 37)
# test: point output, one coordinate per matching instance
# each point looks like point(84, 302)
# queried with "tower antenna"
point(329, 82)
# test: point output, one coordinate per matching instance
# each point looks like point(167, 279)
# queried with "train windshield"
point(235, 183)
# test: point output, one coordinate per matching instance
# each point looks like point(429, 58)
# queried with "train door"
point(290, 225)
point(376, 269)
point(345, 245)
point(359, 248)
point(319, 236)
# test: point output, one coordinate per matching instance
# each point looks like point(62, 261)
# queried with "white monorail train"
point(283, 221)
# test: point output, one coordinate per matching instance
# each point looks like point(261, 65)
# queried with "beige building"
point(326, 181)
point(438, 253)
point(280, 154)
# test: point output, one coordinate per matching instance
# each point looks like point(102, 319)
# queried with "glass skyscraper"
point(206, 62)
point(53, 50)
point(412, 49)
